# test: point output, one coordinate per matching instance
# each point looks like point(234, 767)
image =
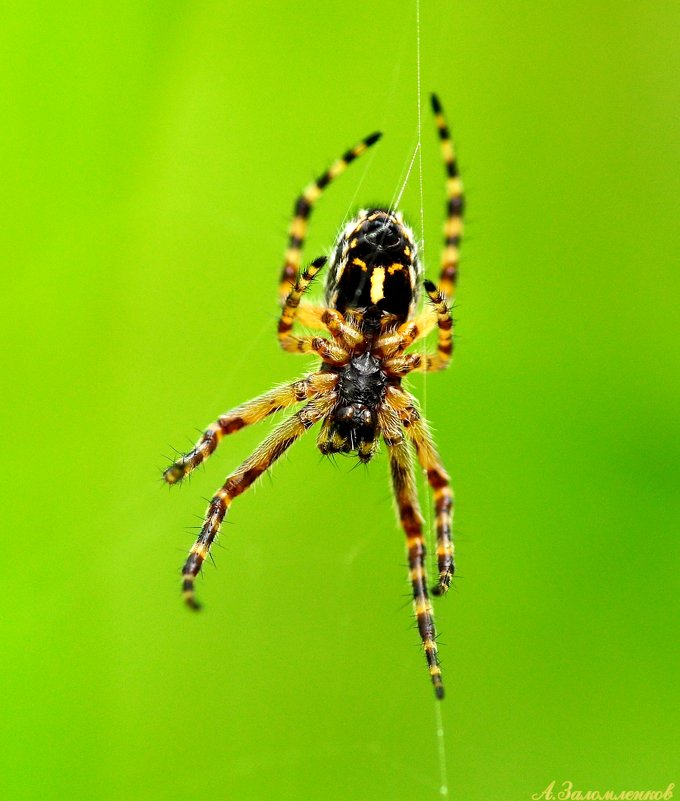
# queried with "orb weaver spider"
point(370, 319)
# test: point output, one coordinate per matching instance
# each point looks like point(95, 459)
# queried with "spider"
point(370, 321)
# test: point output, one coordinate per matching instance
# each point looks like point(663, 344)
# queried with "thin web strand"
point(394, 206)
point(441, 750)
point(439, 722)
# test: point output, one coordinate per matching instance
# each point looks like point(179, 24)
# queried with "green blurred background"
point(151, 153)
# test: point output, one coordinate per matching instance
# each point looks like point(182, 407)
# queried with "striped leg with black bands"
point(329, 352)
point(400, 364)
point(403, 482)
point(294, 296)
point(303, 210)
point(405, 405)
point(262, 458)
point(440, 360)
point(455, 204)
point(246, 414)
point(439, 480)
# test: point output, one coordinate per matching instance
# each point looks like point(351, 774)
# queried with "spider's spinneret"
point(375, 264)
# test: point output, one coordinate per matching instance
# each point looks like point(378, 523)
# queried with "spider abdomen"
point(375, 264)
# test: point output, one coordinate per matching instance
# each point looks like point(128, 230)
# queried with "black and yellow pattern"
point(246, 414)
point(237, 482)
point(304, 206)
point(455, 206)
point(367, 326)
point(403, 481)
point(294, 296)
point(438, 479)
point(440, 360)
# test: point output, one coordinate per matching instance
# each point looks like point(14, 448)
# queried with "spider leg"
point(330, 352)
point(437, 477)
point(274, 446)
point(393, 342)
point(346, 333)
point(246, 414)
point(455, 204)
point(303, 210)
point(294, 296)
point(403, 482)
point(309, 314)
point(425, 321)
point(440, 360)
point(400, 363)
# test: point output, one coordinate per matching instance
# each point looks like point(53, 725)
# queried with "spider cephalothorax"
point(353, 423)
point(369, 322)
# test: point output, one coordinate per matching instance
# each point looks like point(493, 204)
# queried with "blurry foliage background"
point(151, 153)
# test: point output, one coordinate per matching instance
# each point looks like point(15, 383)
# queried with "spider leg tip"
point(193, 604)
point(173, 474)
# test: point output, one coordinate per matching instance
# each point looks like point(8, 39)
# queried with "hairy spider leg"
point(455, 205)
point(393, 343)
point(291, 304)
point(246, 414)
point(437, 477)
point(346, 332)
point(331, 352)
point(440, 360)
point(274, 446)
point(402, 364)
point(403, 482)
point(303, 210)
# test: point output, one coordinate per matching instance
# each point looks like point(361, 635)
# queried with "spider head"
point(374, 265)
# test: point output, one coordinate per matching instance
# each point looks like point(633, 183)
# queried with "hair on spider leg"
point(170, 459)
point(453, 586)
point(358, 465)
point(407, 602)
point(387, 496)
point(331, 458)
point(160, 479)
